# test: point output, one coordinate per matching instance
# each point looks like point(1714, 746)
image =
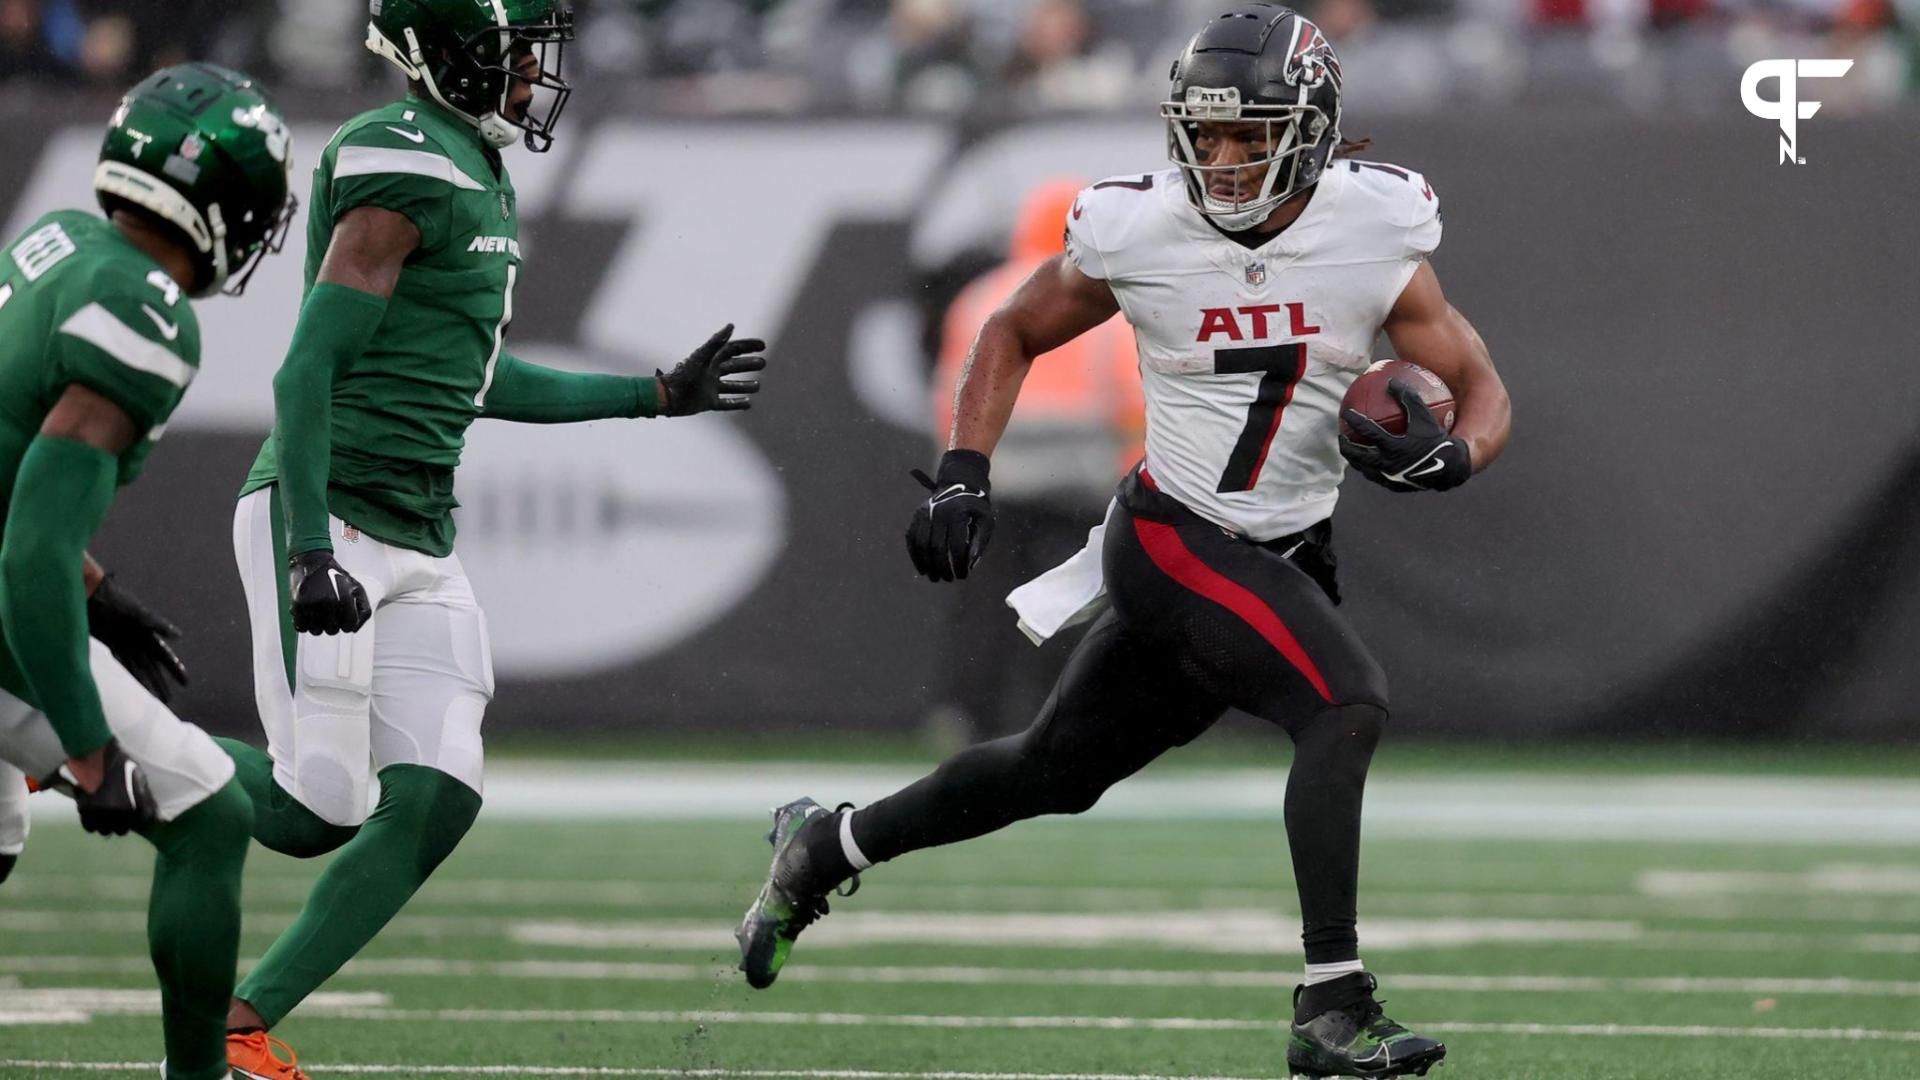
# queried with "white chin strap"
point(496, 130)
point(1227, 217)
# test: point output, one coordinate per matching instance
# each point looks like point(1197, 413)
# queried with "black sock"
point(1340, 993)
point(826, 859)
point(1324, 789)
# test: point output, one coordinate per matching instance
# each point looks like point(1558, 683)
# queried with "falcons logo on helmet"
point(1311, 62)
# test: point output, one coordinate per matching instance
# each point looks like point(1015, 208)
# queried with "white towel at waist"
point(1067, 595)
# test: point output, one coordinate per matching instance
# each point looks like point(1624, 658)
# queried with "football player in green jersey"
point(98, 343)
point(370, 653)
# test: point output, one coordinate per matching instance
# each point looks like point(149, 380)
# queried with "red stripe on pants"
point(1177, 561)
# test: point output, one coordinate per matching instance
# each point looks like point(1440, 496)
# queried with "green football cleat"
point(789, 902)
point(1345, 1033)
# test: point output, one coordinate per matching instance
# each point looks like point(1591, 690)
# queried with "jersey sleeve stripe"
point(98, 327)
point(377, 160)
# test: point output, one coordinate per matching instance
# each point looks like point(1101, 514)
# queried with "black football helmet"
point(1257, 63)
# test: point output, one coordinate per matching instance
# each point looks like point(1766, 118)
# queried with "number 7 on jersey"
point(1282, 366)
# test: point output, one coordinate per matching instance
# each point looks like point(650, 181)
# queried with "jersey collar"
point(447, 121)
point(1288, 245)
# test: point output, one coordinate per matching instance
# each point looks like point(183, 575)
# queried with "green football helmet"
point(464, 53)
point(201, 148)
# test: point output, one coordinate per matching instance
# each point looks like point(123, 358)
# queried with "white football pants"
point(410, 688)
point(15, 820)
point(182, 764)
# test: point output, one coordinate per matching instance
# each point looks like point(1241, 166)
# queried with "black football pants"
point(1201, 620)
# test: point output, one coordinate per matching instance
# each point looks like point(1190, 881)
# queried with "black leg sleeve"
point(1118, 705)
point(1331, 753)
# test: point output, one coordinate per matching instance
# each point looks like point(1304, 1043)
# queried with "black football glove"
point(324, 597)
point(1426, 458)
point(951, 529)
point(121, 803)
point(700, 383)
point(6, 867)
point(137, 637)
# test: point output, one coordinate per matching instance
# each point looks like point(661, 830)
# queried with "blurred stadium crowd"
point(1015, 57)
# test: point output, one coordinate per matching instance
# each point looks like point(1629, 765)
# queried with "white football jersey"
point(1246, 353)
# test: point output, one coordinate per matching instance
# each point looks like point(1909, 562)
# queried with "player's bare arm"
point(1056, 304)
point(369, 248)
point(1431, 332)
point(86, 416)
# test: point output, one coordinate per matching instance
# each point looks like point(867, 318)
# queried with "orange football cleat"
point(253, 1057)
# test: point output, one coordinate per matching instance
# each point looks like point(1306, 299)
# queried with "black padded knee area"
point(1332, 752)
point(1340, 738)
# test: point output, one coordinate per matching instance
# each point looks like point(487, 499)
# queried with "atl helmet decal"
point(1310, 60)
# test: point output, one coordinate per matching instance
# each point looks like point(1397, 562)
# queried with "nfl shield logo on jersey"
point(1257, 273)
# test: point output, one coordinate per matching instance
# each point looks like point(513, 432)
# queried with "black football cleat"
point(1340, 1030)
point(790, 901)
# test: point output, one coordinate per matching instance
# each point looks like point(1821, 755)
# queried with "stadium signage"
point(1788, 110)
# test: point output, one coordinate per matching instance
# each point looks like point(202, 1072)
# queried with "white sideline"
point(953, 975)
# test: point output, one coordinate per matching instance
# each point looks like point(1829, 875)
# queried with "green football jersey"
point(400, 411)
point(79, 304)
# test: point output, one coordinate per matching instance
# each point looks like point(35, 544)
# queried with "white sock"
point(847, 847)
point(1319, 973)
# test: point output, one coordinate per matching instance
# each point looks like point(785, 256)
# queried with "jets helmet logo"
point(271, 128)
point(1311, 61)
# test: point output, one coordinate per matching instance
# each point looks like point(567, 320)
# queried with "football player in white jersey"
point(1257, 274)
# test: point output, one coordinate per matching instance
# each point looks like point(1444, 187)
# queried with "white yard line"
point(1220, 931)
point(1262, 932)
point(1663, 894)
point(1678, 1031)
point(1100, 1023)
point(80, 1004)
point(1753, 809)
point(1819, 882)
point(950, 975)
point(589, 1070)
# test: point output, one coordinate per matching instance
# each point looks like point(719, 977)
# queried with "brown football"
point(1369, 397)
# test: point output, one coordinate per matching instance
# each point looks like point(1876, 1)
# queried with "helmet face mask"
point(476, 59)
point(1259, 64)
point(1289, 136)
point(271, 241)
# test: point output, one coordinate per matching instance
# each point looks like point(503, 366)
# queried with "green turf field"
point(1127, 944)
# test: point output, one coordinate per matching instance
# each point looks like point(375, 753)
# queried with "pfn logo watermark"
point(1788, 109)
